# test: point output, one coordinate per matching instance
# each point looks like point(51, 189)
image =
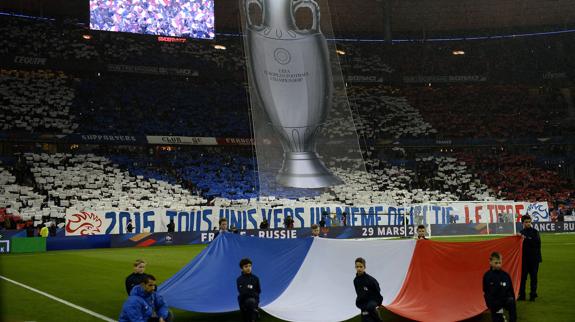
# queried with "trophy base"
point(305, 170)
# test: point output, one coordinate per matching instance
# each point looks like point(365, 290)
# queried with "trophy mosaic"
point(290, 75)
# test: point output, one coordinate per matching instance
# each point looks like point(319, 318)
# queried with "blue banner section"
point(188, 238)
point(160, 239)
point(78, 242)
point(551, 227)
point(197, 289)
point(458, 229)
point(8, 234)
point(501, 228)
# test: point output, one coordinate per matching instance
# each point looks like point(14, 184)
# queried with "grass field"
point(94, 279)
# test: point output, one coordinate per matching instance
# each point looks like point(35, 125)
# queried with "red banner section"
point(444, 281)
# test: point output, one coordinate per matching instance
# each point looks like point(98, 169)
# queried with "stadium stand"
point(36, 101)
point(87, 181)
point(84, 97)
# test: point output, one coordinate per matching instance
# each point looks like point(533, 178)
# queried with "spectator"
point(53, 229)
point(130, 227)
point(322, 220)
point(264, 224)
point(30, 229)
point(289, 223)
point(171, 226)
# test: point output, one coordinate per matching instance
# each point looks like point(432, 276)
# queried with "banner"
point(195, 237)
point(152, 70)
point(235, 141)
point(25, 60)
point(181, 140)
point(445, 79)
point(365, 79)
point(100, 138)
point(79, 223)
point(552, 227)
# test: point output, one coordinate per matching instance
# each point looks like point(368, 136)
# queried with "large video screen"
point(179, 18)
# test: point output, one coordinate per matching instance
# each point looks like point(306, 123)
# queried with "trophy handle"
point(260, 4)
point(314, 7)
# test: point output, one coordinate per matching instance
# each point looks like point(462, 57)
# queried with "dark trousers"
point(169, 319)
point(249, 309)
point(509, 306)
point(531, 269)
point(369, 313)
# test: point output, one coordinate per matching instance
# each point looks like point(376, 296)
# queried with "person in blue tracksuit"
point(145, 305)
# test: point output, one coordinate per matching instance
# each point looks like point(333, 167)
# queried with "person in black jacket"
point(264, 224)
point(171, 226)
point(322, 220)
point(368, 293)
point(130, 227)
point(53, 229)
point(137, 277)
point(248, 292)
point(288, 222)
point(531, 258)
point(30, 229)
point(498, 291)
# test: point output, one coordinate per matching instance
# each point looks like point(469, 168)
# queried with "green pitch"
point(94, 279)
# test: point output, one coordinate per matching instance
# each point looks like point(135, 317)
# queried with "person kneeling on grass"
point(145, 305)
point(249, 292)
point(498, 291)
point(368, 293)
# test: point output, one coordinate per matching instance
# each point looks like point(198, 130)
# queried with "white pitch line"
point(92, 313)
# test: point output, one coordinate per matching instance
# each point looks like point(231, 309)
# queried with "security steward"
point(531, 258)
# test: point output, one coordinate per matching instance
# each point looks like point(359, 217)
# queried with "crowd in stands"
point(208, 176)
point(495, 111)
point(40, 186)
point(88, 181)
point(66, 41)
point(507, 58)
point(36, 101)
point(381, 113)
point(19, 202)
point(160, 106)
point(43, 101)
point(516, 176)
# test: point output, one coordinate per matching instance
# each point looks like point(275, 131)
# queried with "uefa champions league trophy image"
point(291, 75)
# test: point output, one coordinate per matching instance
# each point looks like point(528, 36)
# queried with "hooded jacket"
point(140, 306)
